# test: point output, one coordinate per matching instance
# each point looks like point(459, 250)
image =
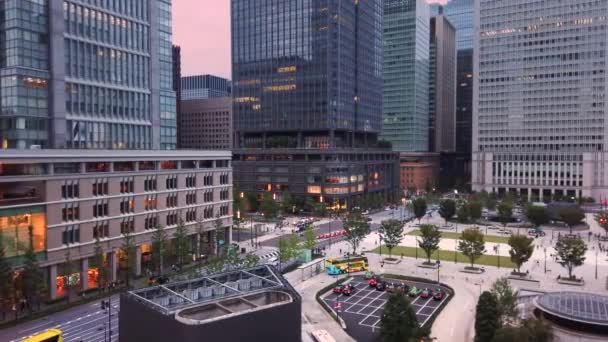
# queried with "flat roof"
point(576, 306)
point(38, 156)
point(173, 297)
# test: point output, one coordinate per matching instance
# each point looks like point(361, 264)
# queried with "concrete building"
point(406, 75)
point(206, 124)
point(71, 197)
point(539, 102)
point(442, 86)
point(71, 84)
point(205, 87)
point(308, 110)
point(419, 171)
point(233, 306)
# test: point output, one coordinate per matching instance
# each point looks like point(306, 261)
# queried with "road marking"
point(436, 308)
point(35, 327)
point(368, 304)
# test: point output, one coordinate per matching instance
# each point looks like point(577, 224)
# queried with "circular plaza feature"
point(575, 310)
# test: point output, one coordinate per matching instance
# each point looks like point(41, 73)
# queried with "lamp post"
point(455, 251)
point(251, 229)
point(438, 267)
point(497, 251)
point(238, 225)
point(545, 250)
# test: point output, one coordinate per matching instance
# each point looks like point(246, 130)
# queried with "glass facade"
point(205, 86)
point(406, 75)
point(24, 76)
point(460, 14)
point(309, 73)
point(107, 65)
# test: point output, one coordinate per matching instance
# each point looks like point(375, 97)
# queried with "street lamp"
point(545, 250)
point(438, 267)
point(238, 225)
point(497, 251)
point(455, 249)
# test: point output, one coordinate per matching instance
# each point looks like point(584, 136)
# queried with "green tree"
point(287, 203)
point(356, 227)
point(310, 238)
point(602, 219)
point(571, 216)
point(269, 206)
point(505, 212)
point(6, 280)
point(429, 240)
point(99, 262)
point(128, 248)
point(251, 260)
point(220, 232)
point(294, 245)
point(253, 202)
point(391, 234)
point(180, 243)
point(475, 210)
point(472, 244)
point(33, 278)
point(537, 215)
point(505, 299)
point(419, 208)
point(521, 250)
point(487, 319)
point(570, 252)
point(159, 240)
point(532, 330)
point(447, 209)
point(463, 213)
point(284, 249)
point(399, 322)
point(491, 201)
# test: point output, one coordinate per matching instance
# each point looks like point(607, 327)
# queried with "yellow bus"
point(51, 335)
point(346, 265)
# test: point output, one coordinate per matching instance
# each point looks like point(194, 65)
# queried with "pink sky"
point(202, 29)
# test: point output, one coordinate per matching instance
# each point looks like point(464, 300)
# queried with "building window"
point(70, 212)
point(70, 189)
point(171, 200)
point(100, 187)
point(208, 180)
point(70, 234)
point(224, 195)
point(150, 183)
point(191, 181)
point(208, 213)
point(150, 202)
point(127, 185)
point(171, 219)
point(191, 198)
point(171, 182)
point(127, 226)
point(101, 230)
point(151, 222)
point(221, 163)
point(191, 215)
point(208, 196)
point(223, 210)
point(100, 208)
point(127, 205)
point(223, 179)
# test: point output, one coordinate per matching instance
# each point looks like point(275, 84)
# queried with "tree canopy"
point(505, 299)
point(419, 208)
point(399, 322)
point(602, 219)
point(521, 250)
point(571, 216)
point(391, 234)
point(475, 210)
point(310, 238)
point(447, 209)
point(472, 244)
point(429, 240)
point(570, 253)
point(537, 215)
point(487, 319)
point(505, 212)
point(356, 227)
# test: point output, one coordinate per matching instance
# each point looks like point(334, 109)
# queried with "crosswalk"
point(269, 255)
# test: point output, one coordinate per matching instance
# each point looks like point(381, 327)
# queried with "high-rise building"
point(539, 124)
point(460, 15)
point(177, 88)
point(206, 124)
point(308, 100)
point(93, 85)
point(199, 87)
point(406, 75)
point(88, 112)
point(442, 86)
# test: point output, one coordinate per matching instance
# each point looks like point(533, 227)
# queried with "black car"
point(348, 289)
point(381, 286)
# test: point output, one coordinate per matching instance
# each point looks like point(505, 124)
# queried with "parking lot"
point(362, 310)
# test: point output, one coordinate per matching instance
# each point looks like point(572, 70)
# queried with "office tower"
point(539, 99)
point(442, 86)
point(88, 112)
point(205, 87)
point(406, 75)
point(90, 80)
point(177, 88)
point(206, 124)
point(308, 100)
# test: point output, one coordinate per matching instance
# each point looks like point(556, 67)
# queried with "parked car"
point(368, 275)
point(414, 291)
point(373, 281)
point(337, 289)
point(536, 233)
point(438, 294)
point(348, 289)
point(504, 232)
point(426, 293)
point(381, 286)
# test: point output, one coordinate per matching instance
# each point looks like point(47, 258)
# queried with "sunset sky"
point(202, 29)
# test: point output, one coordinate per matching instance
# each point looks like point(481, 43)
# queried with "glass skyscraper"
point(93, 74)
point(307, 81)
point(406, 75)
point(460, 14)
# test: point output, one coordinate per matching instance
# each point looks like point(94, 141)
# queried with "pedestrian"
point(340, 251)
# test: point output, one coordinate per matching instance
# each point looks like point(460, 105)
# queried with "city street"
point(83, 323)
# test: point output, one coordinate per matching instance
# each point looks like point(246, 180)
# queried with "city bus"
point(335, 266)
point(51, 335)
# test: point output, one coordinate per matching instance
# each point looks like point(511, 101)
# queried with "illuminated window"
point(291, 68)
point(314, 189)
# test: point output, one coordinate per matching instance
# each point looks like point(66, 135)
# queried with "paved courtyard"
point(362, 310)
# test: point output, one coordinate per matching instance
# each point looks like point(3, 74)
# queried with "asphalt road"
point(83, 323)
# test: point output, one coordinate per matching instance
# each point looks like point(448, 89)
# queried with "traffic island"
point(426, 264)
point(391, 261)
point(571, 281)
point(474, 270)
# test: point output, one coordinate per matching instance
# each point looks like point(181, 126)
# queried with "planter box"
point(473, 270)
point(522, 278)
point(395, 261)
point(425, 265)
point(565, 281)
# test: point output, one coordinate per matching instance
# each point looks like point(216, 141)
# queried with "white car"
point(274, 261)
point(504, 232)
